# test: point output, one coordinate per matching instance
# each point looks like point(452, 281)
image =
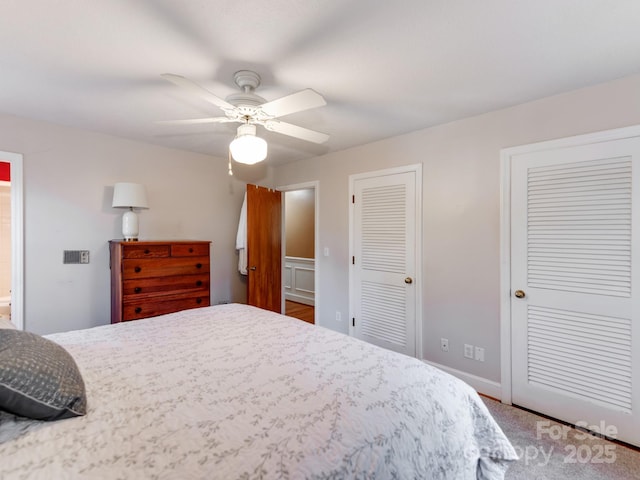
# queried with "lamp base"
point(130, 226)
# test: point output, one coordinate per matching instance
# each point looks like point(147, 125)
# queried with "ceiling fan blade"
point(295, 131)
point(296, 102)
point(197, 90)
point(196, 121)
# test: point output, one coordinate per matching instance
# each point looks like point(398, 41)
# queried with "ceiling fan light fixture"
point(246, 147)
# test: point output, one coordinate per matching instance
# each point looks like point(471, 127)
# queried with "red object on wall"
point(5, 171)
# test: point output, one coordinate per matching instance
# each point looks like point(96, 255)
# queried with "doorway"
point(300, 245)
point(11, 236)
point(5, 241)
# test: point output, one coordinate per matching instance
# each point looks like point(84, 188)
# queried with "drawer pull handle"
point(198, 265)
point(138, 309)
point(137, 289)
point(147, 251)
point(191, 250)
point(198, 300)
point(199, 283)
point(137, 269)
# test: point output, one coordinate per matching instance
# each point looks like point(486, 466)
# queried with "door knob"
point(408, 280)
point(519, 293)
point(252, 268)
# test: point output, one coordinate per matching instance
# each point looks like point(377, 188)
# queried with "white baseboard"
point(481, 385)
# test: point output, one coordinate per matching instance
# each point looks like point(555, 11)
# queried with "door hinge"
point(353, 199)
point(353, 260)
point(353, 321)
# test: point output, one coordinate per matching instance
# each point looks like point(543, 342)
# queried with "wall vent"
point(76, 256)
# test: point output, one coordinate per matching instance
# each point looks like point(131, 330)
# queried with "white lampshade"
point(129, 195)
point(246, 147)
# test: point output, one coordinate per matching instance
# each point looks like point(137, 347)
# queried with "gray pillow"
point(38, 378)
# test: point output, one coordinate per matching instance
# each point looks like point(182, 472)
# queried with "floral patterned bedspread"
point(235, 392)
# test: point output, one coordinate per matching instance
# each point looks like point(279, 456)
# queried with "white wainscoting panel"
point(299, 280)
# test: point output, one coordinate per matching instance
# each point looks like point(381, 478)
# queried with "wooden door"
point(264, 248)
point(574, 288)
point(386, 219)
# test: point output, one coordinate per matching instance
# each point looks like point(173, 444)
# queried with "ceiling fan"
point(250, 109)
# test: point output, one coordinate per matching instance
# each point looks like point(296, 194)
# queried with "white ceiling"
point(385, 67)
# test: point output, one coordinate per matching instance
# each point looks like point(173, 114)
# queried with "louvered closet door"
point(575, 255)
point(384, 268)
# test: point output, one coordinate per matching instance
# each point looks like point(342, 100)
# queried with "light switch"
point(326, 251)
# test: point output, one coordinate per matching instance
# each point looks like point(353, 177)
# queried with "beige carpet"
point(549, 450)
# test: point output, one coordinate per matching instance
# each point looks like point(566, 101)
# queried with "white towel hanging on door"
point(241, 238)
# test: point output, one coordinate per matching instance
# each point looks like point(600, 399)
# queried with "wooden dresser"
point(154, 278)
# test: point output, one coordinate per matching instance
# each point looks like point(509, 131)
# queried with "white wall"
point(461, 192)
point(68, 184)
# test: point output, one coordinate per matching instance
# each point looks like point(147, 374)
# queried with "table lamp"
point(129, 195)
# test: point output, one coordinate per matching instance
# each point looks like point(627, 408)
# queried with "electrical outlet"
point(480, 354)
point(444, 344)
point(468, 350)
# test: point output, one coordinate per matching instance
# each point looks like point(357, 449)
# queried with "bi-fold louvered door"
point(384, 261)
point(574, 245)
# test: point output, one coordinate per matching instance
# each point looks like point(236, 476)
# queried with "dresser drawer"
point(166, 285)
point(146, 251)
point(142, 268)
point(136, 310)
point(189, 249)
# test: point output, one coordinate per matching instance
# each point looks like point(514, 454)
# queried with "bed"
point(236, 392)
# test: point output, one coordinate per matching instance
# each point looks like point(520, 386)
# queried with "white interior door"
point(385, 227)
point(574, 284)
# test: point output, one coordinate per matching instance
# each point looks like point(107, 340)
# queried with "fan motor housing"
point(245, 98)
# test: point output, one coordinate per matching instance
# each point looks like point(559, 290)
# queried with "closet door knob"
point(519, 294)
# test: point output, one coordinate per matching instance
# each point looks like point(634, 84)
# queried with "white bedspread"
point(235, 392)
